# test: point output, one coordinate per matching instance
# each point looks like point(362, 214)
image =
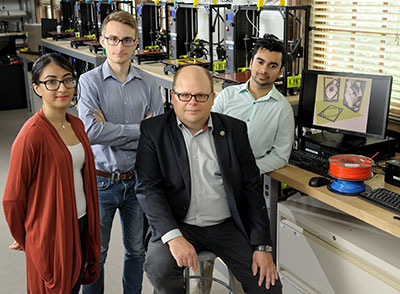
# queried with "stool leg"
point(232, 283)
point(187, 279)
point(202, 282)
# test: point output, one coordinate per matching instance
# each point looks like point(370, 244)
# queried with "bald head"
point(194, 72)
point(193, 82)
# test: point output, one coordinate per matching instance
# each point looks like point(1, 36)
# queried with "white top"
point(78, 160)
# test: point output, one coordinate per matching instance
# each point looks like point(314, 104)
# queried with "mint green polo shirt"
point(270, 123)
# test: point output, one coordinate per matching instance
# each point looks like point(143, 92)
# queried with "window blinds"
point(358, 36)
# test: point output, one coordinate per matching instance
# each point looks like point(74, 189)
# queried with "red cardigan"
point(40, 208)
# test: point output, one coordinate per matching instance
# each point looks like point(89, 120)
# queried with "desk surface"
point(82, 53)
point(13, 34)
point(28, 57)
point(363, 210)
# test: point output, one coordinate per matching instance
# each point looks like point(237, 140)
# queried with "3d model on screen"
point(342, 101)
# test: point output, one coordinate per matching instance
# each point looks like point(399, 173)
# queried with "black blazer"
point(163, 176)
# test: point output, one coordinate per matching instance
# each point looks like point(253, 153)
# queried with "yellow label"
point(152, 47)
point(243, 69)
point(219, 65)
point(294, 82)
point(284, 186)
point(260, 4)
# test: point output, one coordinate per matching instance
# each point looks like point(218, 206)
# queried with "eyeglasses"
point(186, 97)
point(114, 41)
point(53, 85)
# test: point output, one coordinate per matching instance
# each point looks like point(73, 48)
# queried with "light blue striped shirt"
point(269, 119)
point(124, 105)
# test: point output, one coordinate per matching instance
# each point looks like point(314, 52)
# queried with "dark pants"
point(224, 240)
point(82, 232)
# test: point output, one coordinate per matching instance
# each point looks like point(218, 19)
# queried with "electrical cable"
point(248, 19)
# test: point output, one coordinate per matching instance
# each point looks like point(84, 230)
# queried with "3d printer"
point(242, 29)
point(152, 31)
point(215, 23)
point(184, 32)
point(183, 29)
point(153, 36)
point(85, 24)
point(87, 18)
point(67, 15)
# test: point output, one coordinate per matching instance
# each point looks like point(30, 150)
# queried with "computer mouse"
point(318, 182)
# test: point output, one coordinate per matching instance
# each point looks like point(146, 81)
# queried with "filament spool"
point(349, 172)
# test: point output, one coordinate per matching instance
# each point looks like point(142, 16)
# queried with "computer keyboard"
point(382, 197)
point(311, 162)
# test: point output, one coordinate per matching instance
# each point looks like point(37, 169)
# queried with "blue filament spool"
point(347, 187)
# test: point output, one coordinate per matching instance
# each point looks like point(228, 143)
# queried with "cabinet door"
point(291, 285)
point(322, 267)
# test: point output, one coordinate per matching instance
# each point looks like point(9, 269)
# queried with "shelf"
point(11, 34)
point(12, 16)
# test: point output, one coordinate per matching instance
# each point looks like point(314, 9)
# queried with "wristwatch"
point(266, 248)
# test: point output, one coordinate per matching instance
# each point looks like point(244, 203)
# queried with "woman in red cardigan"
point(50, 200)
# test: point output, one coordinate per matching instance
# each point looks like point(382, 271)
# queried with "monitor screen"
point(48, 25)
point(7, 46)
point(348, 103)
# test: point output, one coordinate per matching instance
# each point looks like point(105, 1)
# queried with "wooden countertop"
point(28, 57)
point(372, 214)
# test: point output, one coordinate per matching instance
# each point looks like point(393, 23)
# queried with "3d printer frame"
point(239, 30)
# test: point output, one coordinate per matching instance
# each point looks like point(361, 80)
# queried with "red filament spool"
point(350, 167)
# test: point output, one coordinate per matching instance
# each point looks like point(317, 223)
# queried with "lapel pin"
point(222, 133)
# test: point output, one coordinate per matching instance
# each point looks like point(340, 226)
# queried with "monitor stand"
point(328, 144)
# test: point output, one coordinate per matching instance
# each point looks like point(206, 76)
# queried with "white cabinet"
point(323, 251)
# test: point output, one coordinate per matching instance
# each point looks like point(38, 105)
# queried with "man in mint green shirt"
point(268, 114)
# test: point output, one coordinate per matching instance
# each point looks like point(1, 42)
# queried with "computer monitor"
point(48, 25)
point(356, 105)
point(7, 46)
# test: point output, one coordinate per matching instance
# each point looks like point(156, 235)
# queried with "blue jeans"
point(121, 195)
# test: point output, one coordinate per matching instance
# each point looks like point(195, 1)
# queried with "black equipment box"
point(327, 144)
point(392, 172)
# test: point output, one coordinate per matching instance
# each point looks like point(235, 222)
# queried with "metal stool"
point(205, 256)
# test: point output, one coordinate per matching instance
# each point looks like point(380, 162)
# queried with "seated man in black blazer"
point(199, 185)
